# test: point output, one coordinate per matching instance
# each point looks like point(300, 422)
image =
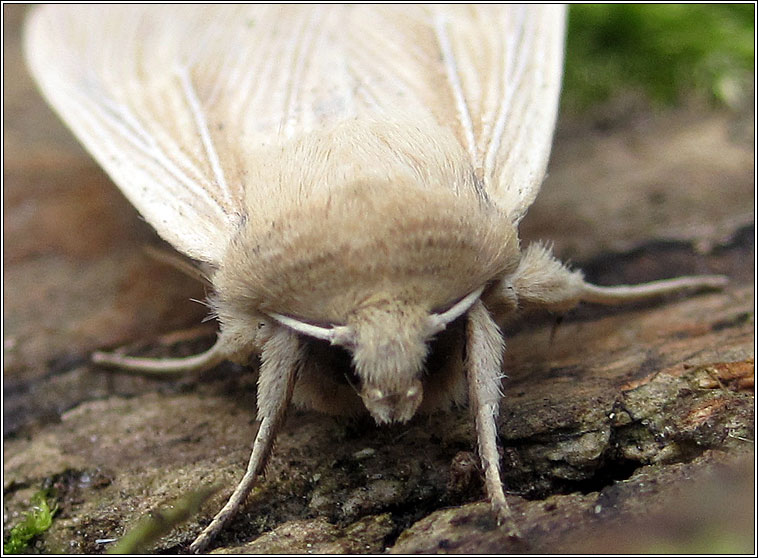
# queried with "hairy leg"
point(484, 358)
point(164, 366)
point(542, 281)
point(280, 360)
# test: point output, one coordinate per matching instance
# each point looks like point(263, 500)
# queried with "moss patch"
point(37, 521)
point(666, 51)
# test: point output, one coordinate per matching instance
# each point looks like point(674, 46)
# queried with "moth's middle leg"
point(541, 281)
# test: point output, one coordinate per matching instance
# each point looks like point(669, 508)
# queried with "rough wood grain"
point(608, 418)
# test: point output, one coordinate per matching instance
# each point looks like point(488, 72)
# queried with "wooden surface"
point(623, 421)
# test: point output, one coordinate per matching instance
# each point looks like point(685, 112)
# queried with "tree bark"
point(636, 421)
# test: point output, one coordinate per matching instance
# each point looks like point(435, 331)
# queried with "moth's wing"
point(130, 85)
point(176, 102)
point(491, 73)
point(509, 64)
point(171, 100)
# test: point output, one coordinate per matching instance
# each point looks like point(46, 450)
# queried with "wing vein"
point(202, 128)
point(301, 56)
point(511, 83)
point(120, 119)
point(453, 77)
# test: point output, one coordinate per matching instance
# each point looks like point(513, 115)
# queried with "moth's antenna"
point(437, 322)
point(336, 335)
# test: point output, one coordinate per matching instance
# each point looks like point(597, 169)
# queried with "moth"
point(350, 177)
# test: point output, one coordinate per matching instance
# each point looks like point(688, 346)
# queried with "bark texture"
point(634, 422)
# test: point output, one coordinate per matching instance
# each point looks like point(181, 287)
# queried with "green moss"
point(665, 51)
point(37, 521)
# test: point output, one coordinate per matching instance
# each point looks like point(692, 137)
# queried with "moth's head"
point(389, 343)
point(389, 348)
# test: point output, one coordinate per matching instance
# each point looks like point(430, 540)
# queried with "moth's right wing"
point(172, 100)
point(490, 73)
point(123, 80)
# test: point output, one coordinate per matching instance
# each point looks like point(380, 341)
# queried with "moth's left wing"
point(490, 73)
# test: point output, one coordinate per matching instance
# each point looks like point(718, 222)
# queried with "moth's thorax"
point(320, 263)
point(368, 210)
point(374, 229)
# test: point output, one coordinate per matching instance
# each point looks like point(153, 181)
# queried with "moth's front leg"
point(484, 358)
point(280, 360)
point(542, 281)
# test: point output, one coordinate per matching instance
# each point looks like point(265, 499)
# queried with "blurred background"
point(667, 53)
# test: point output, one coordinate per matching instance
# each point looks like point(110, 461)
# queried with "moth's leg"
point(181, 263)
point(484, 358)
point(167, 366)
point(629, 293)
point(162, 366)
point(542, 281)
point(280, 359)
point(237, 342)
